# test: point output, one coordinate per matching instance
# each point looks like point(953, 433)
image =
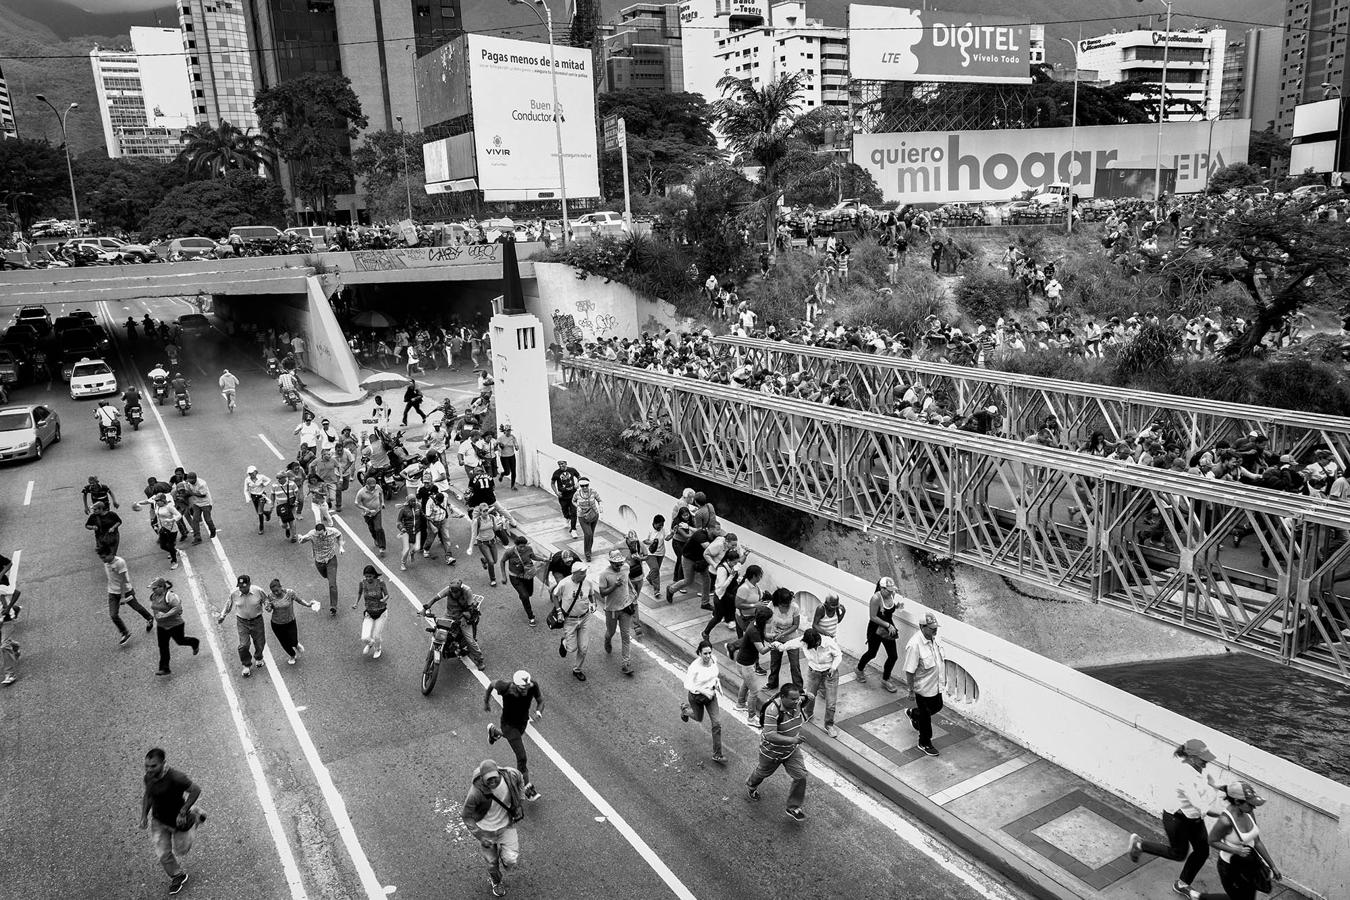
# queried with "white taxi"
point(92, 378)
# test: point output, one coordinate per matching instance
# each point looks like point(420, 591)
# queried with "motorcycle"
point(273, 367)
point(183, 403)
point(160, 389)
point(133, 414)
point(108, 435)
point(292, 398)
point(447, 641)
point(390, 481)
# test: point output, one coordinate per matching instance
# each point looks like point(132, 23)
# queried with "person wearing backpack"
point(586, 504)
point(780, 729)
point(726, 582)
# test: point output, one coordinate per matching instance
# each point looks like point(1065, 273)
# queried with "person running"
point(586, 513)
point(412, 399)
point(9, 610)
point(483, 535)
point(881, 632)
point(372, 592)
point(508, 445)
point(491, 811)
point(247, 603)
point(106, 526)
point(199, 506)
point(288, 501)
point(370, 501)
point(166, 809)
point(517, 695)
point(518, 565)
point(780, 726)
point(564, 483)
point(1245, 865)
point(167, 610)
point(406, 526)
point(574, 598)
point(823, 658)
point(327, 544)
point(229, 383)
point(618, 603)
point(256, 491)
point(280, 602)
point(97, 492)
point(702, 684)
point(121, 592)
point(1184, 823)
point(167, 520)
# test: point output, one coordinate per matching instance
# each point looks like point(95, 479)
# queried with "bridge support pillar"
point(520, 375)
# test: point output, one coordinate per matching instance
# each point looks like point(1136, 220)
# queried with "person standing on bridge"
point(1184, 823)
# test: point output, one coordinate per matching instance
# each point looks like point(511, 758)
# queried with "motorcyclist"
point(107, 416)
point(158, 373)
point(179, 384)
point(131, 399)
point(461, 606)
point(287, 382)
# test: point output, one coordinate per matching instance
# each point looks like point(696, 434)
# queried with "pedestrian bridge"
point(258, 275)
point(1155, 543)
point(1025, 401)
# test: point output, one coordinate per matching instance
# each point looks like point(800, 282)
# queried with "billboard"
point(892, 43)
point(960, 166)
point(442, 78)
point(1321, 117)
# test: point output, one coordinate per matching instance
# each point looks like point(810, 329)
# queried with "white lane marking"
point(270, 446)
point(28, 494)
point(672, 881)
point(269, 806)
point(270, 814)
point(336, 805)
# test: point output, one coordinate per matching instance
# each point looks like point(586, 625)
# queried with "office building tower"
point(143, 95)
point(1313, 56)
point(791, 44)
point(1194, 67)
point(703, 24)
point(8, 128)
point(1251, 76)
point(215, 37)
point(643, 50)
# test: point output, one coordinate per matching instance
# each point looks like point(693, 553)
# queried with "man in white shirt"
point(925, 670)
point(822, 658)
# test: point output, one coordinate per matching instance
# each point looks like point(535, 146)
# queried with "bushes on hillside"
point(987, 293)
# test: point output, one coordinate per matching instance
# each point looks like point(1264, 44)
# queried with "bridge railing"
point(1257, 569)
point(1024, 401)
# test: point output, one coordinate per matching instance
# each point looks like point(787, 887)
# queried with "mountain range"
point(44, 44)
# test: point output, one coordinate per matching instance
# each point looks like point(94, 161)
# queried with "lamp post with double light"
point(546, 19)
point(70, 170)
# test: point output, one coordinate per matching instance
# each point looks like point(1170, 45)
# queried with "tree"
point(310, 122)
point(218, 150)
point(1282, 254)
point(763, 125)
point(213, 206)
point(704, 216)
point(1267, 148)
point(812, 177)
point(119, 194)
point(33, 179)
point(669, 135)
point(1234, 176)
point(380, 163)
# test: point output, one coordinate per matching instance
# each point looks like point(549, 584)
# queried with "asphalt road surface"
point(336, 778)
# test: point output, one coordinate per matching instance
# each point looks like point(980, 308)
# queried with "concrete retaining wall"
point(1103, 734)
point(589, 308)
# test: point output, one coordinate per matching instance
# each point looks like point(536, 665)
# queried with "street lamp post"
point(1073, 129)
point(546, 19)
point(407, 182)
point(70, 171)
point(1162, 105)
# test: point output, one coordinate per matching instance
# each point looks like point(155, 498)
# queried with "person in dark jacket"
point(491, 810)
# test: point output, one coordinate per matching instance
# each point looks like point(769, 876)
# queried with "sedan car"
point(73, 355)
point(91, 378)
point(194, 325)
point(190, 248)
point(88, 336)
point(26, 430)
point(121, 250)
point(23, 334)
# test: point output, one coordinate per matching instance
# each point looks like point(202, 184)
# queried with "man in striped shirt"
point(327, 544)
point(780, 734)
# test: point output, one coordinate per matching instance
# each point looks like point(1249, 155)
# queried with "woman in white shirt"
point(1245, 866)
point(702, 681)
point(1184, 819)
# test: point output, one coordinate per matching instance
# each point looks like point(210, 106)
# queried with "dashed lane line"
point(28, 494)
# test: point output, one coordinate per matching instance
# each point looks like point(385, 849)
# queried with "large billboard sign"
point(892, 43)
point(963, 166)
point(442, 78)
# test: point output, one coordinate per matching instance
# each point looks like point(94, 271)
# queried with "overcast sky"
point(101, 6)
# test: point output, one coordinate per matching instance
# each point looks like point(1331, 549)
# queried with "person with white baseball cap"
point(1184, 820)
point(1245, 866)
point(926, 671)
point(517, 695)
point(575, 598)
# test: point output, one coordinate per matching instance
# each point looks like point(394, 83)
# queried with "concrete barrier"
point(1103, 734)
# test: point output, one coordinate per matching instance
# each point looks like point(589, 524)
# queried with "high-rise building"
point(703, 24)
point(8, 128)
point(1194, 67)
point(1251, 75)
point(1313, 60)
point(791, 44)
point(374, 43)
point(643, 50)
point(143, 96)
point(215, 37)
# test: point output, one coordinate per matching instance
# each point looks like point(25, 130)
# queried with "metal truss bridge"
point(1025, 401)
point(1154, 543)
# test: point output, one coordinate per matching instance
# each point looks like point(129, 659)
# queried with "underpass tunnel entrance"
point(440, 303)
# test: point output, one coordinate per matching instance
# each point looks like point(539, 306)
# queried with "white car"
point(92, 378)
point(120, 250)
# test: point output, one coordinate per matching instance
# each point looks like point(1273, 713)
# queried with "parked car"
point(190, 248)
point(92, 378)
point(124, 251)
point(23, 358)
point(37, 316)
point(252, 234)
point(315, 234)
point(194, 325)
point(24, 334)
point(600, 220)
point(26, 430)
point(9, 368)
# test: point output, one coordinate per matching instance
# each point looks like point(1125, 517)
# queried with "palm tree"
point(763, 125)
point(220, 149)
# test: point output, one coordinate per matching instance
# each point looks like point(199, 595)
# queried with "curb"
point(305, 391)
point(1021, 874)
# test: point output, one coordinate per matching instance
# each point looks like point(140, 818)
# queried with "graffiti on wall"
point(423, 257)
point(565, 330)
point(587, 324)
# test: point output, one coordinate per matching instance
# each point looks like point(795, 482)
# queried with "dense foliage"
point(211, 207)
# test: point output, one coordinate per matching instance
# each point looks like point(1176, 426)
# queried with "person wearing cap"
point(247, 603)
point(517, 695)
point(508, 445)
point(1245, 866)
point(617, 600)
point(288, 500)
point(575, 597)
point(256, 491)
point(586, 511)
point(881, 631)
point(559, 568)
point(167, 611)
point(1184, 823)
point(926, 672)
point(491, 811)
point(564, 483)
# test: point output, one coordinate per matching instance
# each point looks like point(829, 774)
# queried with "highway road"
point(336, 778)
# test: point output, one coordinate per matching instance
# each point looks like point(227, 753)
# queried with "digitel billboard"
point(894, 43)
